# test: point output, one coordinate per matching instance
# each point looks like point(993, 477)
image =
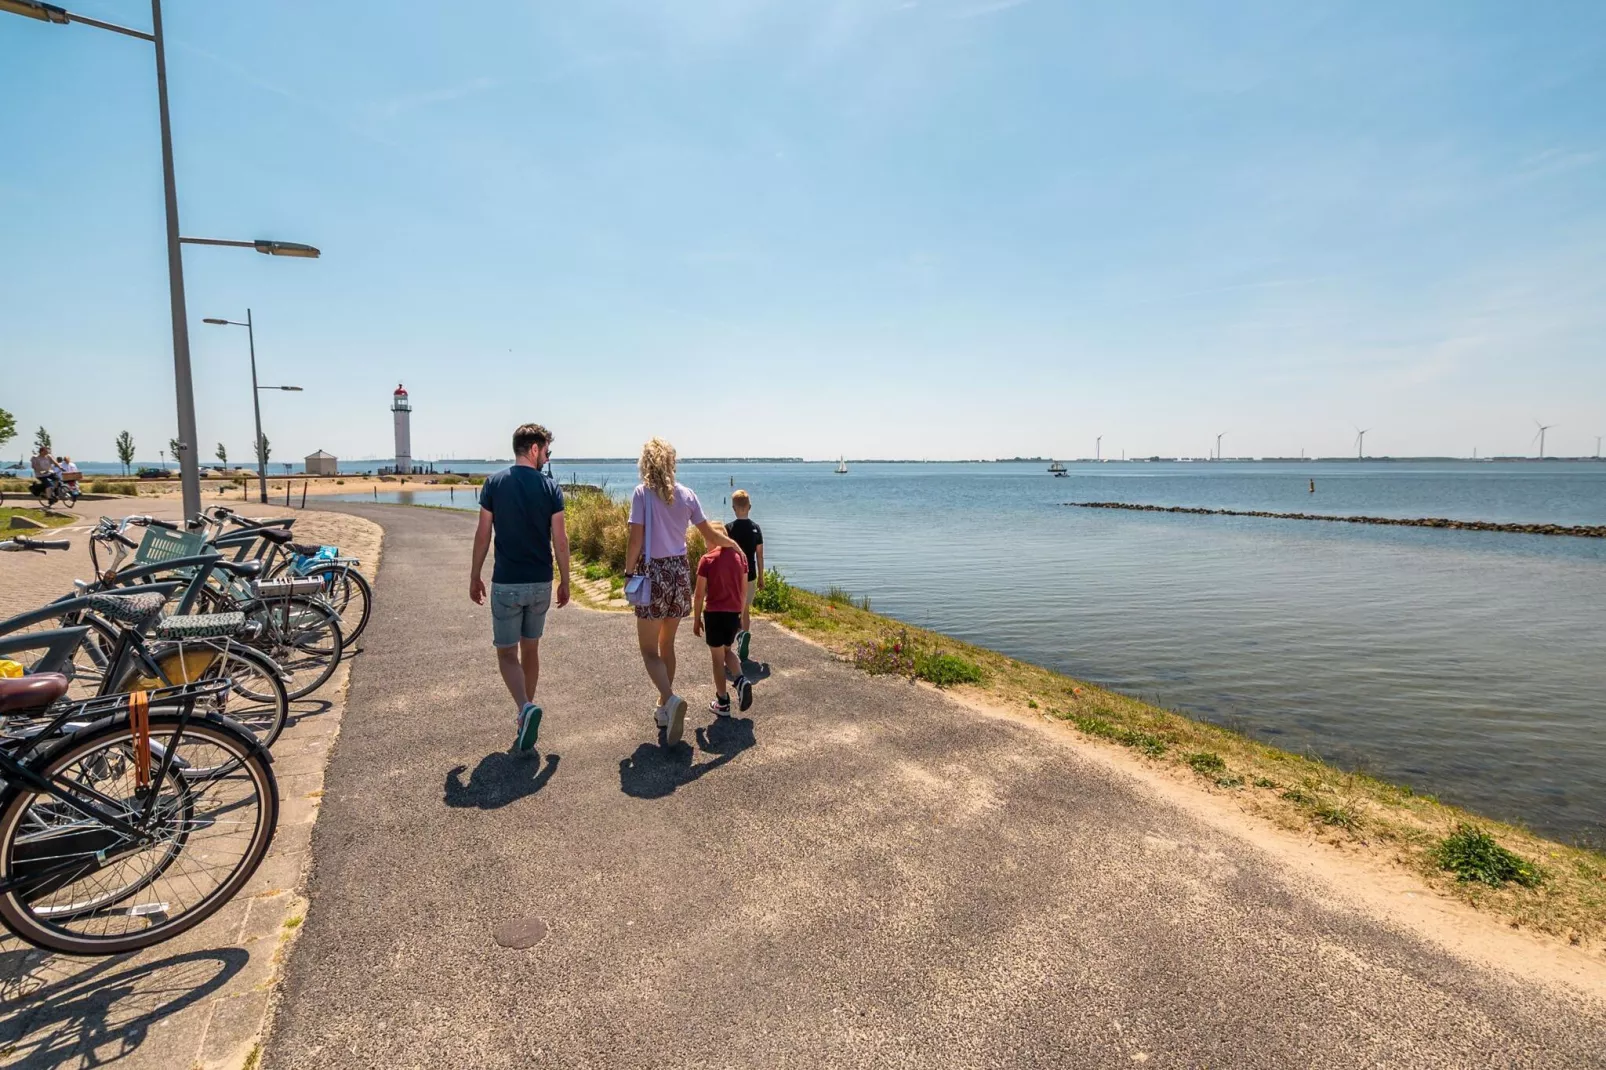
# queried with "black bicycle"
point(125, 819)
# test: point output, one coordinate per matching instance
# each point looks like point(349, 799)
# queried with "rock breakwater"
point(1581, 531)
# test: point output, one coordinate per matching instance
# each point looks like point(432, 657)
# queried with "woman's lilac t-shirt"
point(669, 522)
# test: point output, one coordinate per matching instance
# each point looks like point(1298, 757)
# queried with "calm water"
point(1468, 664)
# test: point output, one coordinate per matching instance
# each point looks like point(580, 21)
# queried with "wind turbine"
point(1098, 446)
point(1540, 437)
point(1360, 442)
point(1218, 444)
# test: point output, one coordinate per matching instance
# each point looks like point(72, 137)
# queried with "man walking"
point(524, 507)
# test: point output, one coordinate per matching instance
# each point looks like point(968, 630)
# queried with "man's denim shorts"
point(518, 611)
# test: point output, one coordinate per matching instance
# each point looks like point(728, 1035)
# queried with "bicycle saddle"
point(304, 549)
point(31, 692)
point(243, 569)
point(277, 535)
point(132, 608)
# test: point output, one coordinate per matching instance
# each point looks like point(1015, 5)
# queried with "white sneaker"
point(676, 727)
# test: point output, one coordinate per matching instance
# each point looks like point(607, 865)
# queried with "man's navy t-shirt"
point(522, 501)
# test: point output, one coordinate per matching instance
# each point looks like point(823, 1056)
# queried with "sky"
point(879, 228)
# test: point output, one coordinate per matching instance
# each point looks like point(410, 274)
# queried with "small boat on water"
point(841, 466)
point(1057, 468)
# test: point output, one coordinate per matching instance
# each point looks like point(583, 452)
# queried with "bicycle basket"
point(162, 544)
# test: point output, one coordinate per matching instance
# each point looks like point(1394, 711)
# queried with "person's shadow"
point(652, 772)
point(499, 778)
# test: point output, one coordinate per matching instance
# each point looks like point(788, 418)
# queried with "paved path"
point(860, 874)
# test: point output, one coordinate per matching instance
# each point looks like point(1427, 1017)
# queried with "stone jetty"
point(1581, 531)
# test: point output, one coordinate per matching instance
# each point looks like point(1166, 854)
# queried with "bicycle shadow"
point(104, 1012)
point(753, 670)
point(654, 773)
point(500, 778)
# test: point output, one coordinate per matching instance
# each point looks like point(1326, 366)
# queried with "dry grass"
point(1350, 810)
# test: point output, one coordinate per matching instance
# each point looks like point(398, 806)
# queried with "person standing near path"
point(523, 507)
point(672, 508)
point(750, 537)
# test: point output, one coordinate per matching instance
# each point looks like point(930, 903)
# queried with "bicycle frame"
point(86, 800)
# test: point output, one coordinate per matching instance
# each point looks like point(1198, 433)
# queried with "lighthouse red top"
point(400, 391)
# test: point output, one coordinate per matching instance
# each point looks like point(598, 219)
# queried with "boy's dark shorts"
point(720, 628)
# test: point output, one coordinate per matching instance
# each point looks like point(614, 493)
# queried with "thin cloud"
point(983, 10)
point(397, 106)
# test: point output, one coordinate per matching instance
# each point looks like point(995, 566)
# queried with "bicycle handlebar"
point(20, 543)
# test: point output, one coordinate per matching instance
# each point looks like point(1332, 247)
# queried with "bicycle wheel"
point(349, 594)
point(303, 637)
point(78, 886)
point(256, 699)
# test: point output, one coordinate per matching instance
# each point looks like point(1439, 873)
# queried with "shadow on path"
point(499, 778)
point(102, 1014)
point(652, 772)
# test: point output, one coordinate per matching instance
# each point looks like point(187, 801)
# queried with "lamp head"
point(34, 9)
point(285, 248)
point(222, 323)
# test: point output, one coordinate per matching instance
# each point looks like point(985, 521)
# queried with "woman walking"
point(668, 509)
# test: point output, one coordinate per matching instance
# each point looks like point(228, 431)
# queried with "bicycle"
point(102, 649)
point(132, 828)
point(291, 624)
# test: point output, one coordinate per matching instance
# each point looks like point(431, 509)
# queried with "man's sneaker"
point(529, 728)
point(744, 693)
point(743, 641)
point(720, 706)
point(676, 708)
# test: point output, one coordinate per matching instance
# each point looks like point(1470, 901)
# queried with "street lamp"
point(189, 465)
point(256, 406)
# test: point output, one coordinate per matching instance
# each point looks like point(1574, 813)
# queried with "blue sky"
point(939, 228)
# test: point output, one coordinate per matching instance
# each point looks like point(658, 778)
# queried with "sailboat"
point(1057, 468)
point(841, 466)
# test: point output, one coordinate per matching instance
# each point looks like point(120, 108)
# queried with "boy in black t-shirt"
point(750, 537)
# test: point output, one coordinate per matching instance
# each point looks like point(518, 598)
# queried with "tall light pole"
point(256, 398)
point(188, 462)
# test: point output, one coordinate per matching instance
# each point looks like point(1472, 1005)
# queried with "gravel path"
point(859, 874)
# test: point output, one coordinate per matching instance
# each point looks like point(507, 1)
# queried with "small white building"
point(322, 464)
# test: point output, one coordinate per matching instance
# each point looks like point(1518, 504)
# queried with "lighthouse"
point(404, 434)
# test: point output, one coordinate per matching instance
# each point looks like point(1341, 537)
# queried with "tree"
point(173, 448)
point(264, 451)
point(41, 441)
point(125, 450)
point(222, 454)
point(8, 427)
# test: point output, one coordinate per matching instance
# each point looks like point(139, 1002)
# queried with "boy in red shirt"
point(722, 584)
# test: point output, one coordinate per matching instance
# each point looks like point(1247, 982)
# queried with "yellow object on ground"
point(10, 668)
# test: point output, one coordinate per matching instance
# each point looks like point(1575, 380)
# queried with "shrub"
point(841, 596)
point(101, 486)
point(1474, 855)
point(776, 596)
point(946, 670)
point(449, 481)
point(596, 571)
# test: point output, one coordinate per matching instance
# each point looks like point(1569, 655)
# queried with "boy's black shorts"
point(720, 628)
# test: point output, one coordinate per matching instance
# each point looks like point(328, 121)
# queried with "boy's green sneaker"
point(743, 641)
point(529, 728)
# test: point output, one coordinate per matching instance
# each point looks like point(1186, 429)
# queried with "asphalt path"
point(858, 873)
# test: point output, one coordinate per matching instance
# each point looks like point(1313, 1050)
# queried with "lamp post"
point(256, 399)
point(189, 463)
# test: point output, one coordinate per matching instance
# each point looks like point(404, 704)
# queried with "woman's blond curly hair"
point(657, 468)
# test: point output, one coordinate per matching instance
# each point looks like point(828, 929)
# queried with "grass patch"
point(1473, 855)
point(594, 571)
point(1207, 762)
point(1147, 742)
point(947, 670)
point(1338, 816)
point(1229, 781)
point(841, 596)
point(101, 486)
point(901, 654)
point(294, 921)
point(49, 520)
